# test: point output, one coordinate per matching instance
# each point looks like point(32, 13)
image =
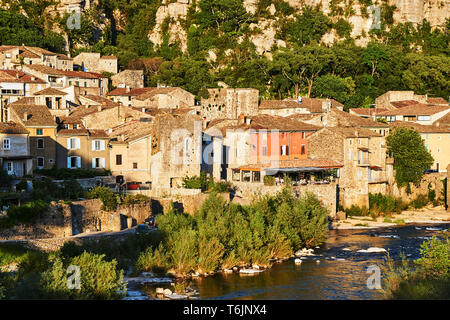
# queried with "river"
point(341, 274)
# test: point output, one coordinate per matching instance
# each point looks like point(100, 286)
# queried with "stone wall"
point(183, 204)
point(432, 179)
point(129, 78)
point(88, 216)
point(230, 103)
point(327, 193)
point(55, 223)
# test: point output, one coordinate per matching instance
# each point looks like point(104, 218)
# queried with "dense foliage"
point(45, 276)
point(398, 57)
point(429, 278)
point(411, 157)
point(223, 235)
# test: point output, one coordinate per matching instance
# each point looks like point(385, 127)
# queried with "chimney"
point(242, 119)
point(143, 109)
point(299, 100)
point(100, 108)
point(128, 89)
point(25, 115)
point(122, 137)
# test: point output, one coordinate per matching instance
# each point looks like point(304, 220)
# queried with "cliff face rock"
point(170, 14)
point(173, 11)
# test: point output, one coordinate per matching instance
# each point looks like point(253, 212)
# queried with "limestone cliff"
point(171, 13)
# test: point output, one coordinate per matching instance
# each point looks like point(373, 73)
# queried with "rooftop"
point(37, 115)
point(18, 76)
point(12, 128)
point(420, 128)
point(416, 110)
point(294, 164)
point(129, 91)
point(50, 92)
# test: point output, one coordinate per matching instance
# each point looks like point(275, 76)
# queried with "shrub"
point(269, 180)
point(379, 203)
point(27, 213)
point(22, 185)
point(99, 279)
point(221, 187)
point(429, 280)
point(135, 199)
point(420, 202)
point(154, 260)
point(198, 182)
point(356, 211)
point(109, 199)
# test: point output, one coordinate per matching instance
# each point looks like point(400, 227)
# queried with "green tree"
point(335, 87)
point(411, 157)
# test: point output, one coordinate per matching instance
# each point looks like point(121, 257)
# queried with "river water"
point(340, 274)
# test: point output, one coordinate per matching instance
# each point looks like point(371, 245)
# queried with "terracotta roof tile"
point(403, 103)
point(18, 76)
point(50, 92)
point(12, 128)
point(437, 100)
point(129, 92)
point(416, 110)
point(420, 128)
point(36, 115)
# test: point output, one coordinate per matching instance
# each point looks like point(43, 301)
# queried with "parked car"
point(133, 185)
point(142, 229)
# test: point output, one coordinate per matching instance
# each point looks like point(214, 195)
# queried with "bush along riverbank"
point(221, 235)
point(426, 278)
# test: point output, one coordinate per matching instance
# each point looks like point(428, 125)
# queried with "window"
point(6, 144)
point(98, 163)
point(40, 143)
point(424, 118)
point(40, 162)
point(135, 165)
point(264, 150)
point(284, 150)
point(73, 162)
point(118, 159)
point(39, 132)
point(98, 145)
point(303, 149)
point(303, 135)
point(73, 143)
point(9, 167)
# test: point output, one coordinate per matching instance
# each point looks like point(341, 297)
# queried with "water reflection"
point(340, 274)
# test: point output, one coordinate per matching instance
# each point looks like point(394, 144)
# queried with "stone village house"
point(41, 127)
point(362, 152)
point(15, 156)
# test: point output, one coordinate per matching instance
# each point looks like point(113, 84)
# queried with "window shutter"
point(102, 162)
point(68, 143)
point(93, 163)
point(78, 143)
point(93, 145)
point(78, 162)
point(68, 162)
point(102, 145)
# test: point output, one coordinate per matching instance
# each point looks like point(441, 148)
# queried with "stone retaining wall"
point(435, 180)
point(327, 193)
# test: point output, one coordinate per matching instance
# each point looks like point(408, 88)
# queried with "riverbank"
point(437, 215)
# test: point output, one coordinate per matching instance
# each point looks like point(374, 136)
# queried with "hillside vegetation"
point(215, 41)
